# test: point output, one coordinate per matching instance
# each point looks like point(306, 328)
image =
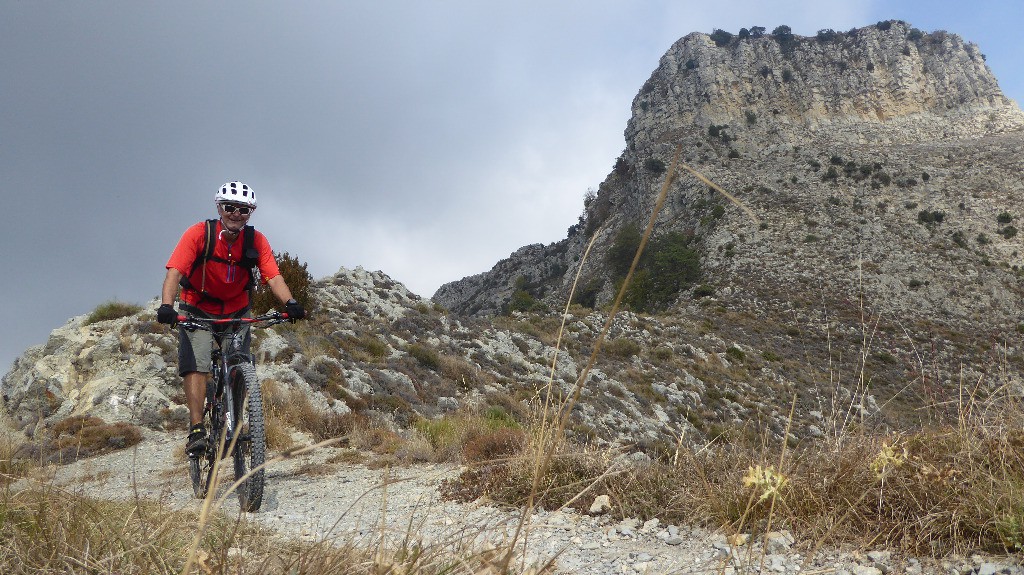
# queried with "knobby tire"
point(250, 451)
point(200, 470)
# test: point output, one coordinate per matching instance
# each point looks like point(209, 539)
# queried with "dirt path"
point(309, 499)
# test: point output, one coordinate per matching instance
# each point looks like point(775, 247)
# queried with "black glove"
point(294, 310)
point(167, 314)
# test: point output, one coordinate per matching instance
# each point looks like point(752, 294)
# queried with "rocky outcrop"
point(118, 370)
point(905, 120)
point(374, 347)
point(887, 84)
point(875, 174)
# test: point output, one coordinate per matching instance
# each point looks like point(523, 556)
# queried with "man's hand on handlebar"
point(294, 310)
point(167, 314)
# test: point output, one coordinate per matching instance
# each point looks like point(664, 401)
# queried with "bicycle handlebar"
point(267, 320)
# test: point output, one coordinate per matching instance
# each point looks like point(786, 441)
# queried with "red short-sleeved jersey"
point(226, 282)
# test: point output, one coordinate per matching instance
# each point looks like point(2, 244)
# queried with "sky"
point(428, 140)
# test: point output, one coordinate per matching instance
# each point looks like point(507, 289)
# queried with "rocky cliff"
point(878, 170)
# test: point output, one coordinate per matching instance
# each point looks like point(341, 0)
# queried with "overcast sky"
point(424, 139)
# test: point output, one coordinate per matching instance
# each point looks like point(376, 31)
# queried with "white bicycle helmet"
point(236, 193)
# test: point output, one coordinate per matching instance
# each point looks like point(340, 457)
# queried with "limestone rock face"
point(870, 85)
point(118, 370)
point(872, 175)
point(842, 150)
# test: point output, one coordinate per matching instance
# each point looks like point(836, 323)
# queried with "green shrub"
point(298, 279)
point(622, 347)
point(623, 249)
point(702, 291)
point(667, 267)
point(721, 37)
point(495, 417)
point(1004, 218)
point(523, 301)
point(930, 217)
point(959, 239)
point(427, 356)
point(736, 354)
point(719, 131)
point(373, 346)
point(654, 165)
point(112, 309)
point(586, 295)
point(783, 33)
point(1008, 232)
point(662, 353)
point(673, 266)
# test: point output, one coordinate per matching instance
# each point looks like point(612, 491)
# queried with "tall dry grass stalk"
point(552, 432)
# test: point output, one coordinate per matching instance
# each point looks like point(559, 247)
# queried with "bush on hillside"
point(298, 279)
point(668, 266)
point(623, 249)
point(112, 309)
point(721, 37)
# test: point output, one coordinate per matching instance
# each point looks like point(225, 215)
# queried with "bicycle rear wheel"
point(251, 445)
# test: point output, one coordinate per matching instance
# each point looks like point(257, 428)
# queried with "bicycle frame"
point(235, 418)
point(226, 389)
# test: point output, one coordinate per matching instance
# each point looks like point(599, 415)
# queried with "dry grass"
point(471, 435)
point(78, 437)
point(948, 489)
point(51, 531)
point(286, 408)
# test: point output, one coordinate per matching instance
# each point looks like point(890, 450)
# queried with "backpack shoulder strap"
point(250, 255)
point(209, 243)
point(211, 239)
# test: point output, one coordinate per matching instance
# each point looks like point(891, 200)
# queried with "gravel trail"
point(310, 500)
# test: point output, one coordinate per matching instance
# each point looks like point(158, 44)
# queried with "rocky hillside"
point(374, 347)
point(878, 170)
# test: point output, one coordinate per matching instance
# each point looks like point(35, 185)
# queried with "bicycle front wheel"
point(251, 445)
point(200, 469)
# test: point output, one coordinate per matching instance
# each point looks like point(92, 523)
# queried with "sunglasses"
point(230, 209)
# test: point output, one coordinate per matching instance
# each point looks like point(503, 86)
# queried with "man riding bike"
point(213, 264)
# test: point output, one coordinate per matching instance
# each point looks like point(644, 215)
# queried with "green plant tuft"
point(112, 309)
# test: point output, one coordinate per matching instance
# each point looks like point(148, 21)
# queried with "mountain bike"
point(233, 415)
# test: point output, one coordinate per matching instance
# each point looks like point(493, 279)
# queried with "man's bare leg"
point(195, 395)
